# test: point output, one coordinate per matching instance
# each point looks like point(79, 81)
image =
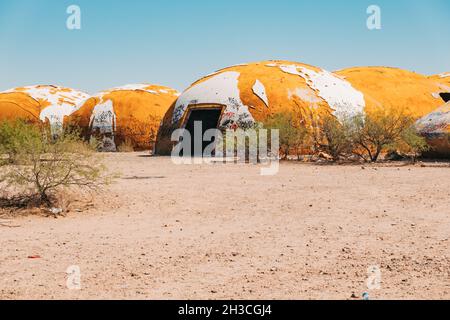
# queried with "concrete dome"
point(436, 128)
point(131, 114)
point(40, 103)
point(244, 94)
point(394, 88)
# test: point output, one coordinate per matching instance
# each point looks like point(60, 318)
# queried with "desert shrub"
point(334, 137)
point(43, 166)
point(381, 131)
point(293, 136)
point(412, 143)
point(14, 135)
point(126, 146)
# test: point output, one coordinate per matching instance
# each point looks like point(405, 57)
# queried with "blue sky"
point(174, 42)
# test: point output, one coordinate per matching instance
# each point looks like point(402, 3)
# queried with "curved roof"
point(436, 127)
point(394, 88)
point(41, 102)
point(254, 90)
point(131, 112)
point(443, 78)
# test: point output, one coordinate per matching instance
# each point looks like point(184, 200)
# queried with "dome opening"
point(445, 96)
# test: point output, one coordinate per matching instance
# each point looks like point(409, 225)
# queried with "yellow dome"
point(40, 103)
point(248, 93)
point(129, 114)
point(436, 128)
point(392, 88)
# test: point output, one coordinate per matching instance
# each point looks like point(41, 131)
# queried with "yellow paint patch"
point(18, 106)
point(391, 88)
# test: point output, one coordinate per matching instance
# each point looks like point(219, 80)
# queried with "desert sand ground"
point(166, 231)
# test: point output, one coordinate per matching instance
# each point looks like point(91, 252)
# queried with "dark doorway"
point(445, 96)
point(209, 119)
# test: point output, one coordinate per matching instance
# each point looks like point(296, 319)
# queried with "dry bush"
point(383, 131)
point(43, 166)
point(412, 144)
point(334, 137)
point(292, 135)
point(126, 146)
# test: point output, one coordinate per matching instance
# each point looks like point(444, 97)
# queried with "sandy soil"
point(223, 231)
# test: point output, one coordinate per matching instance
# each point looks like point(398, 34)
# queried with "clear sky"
point(175, 42)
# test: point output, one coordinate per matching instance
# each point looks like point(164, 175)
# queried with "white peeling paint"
point(220, 89)
point(260, 91)
point(444, 75)
point(103, 121)
point(103, 117)
point(337, 92)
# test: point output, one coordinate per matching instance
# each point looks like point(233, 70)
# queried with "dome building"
point(41, 103)
point(241, 95)
point(128, 115)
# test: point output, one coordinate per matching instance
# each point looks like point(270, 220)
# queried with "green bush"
point(292, 135)
point(37, 163)
point(334, 137)
point(14, 136)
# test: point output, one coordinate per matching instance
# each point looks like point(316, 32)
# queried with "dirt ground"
point(223, 231)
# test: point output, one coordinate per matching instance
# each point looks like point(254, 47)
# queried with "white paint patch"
point(219, 89)
point(445, 75)
point(260, 91)
point(103, 118)
point(436, 122)
point(55, 114)
point(337, 92)
point(103, 121)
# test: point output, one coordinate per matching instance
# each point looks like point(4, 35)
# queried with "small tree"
point(334, 137)
point(44, 166)
point(293, 136)
point(378, 131)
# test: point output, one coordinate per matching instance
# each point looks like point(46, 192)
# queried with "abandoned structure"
point(242, 95)
point(41, 103)
point(128, 115)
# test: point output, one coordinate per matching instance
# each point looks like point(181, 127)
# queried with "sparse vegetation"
point(37, 166)
point(413, 144)
point(126, 146)
point(364, 137)
point(334, 138)
point(293, 137)
point(379, 132)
